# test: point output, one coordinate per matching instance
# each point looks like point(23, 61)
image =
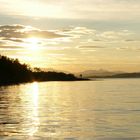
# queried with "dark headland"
point(13, 72)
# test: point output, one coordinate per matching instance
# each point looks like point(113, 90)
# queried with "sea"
point(99, 109)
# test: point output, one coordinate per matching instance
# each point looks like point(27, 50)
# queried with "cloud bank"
point(83, 37)
point(73, 9)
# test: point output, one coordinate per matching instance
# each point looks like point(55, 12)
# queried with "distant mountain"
point(97, 73)
point(125, 75)
point(107, 74)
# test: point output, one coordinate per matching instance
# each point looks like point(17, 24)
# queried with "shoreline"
point(18, 83)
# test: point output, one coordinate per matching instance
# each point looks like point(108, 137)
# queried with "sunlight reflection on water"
point(103, 110)
point(33, 96)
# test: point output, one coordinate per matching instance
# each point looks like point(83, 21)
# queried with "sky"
point(72, 35)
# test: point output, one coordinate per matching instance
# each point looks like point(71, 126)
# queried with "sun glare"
point(34, 93)
point(33, 43)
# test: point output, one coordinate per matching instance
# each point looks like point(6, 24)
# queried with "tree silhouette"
point(12, 71)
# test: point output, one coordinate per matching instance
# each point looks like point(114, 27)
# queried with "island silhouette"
point(101, 73)
point(13, 72)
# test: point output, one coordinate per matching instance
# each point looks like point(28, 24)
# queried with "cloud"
point(10, 48)
point(82, 38)
point(9, 32)
point(74, 9)
point(90, 47)
point(79, 30)
point(15, 40)
point(11, 27)
point(17, 36)
point(115, 34)
point(130, 48)
point(2, 43)
point(129, 40)
point(93, 37)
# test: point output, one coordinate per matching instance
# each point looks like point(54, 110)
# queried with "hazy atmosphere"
point(69, 69)
point(72, 35)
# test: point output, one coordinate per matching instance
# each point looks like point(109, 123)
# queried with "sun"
point(33, 43)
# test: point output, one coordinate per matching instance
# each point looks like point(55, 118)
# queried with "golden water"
point(84, 110)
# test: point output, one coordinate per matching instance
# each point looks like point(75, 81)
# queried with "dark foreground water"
point(84, 110)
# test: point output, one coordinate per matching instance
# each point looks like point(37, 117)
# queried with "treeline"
point(53, 76)
point(12, 71)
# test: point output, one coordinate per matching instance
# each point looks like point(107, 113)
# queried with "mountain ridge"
point(99, 72)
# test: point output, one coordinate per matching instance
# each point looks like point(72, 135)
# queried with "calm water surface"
point(84, 110)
